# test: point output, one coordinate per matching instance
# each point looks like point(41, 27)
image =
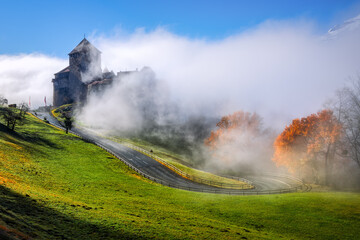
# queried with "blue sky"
point(55, 27)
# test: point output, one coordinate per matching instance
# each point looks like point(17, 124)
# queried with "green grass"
point(60, 111)
point(170, 157)
point(182, 163)
point(55, 185)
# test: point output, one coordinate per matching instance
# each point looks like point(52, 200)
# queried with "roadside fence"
point(219, 188)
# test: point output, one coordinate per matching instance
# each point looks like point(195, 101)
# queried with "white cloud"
point(24, 76)
point(281, 70)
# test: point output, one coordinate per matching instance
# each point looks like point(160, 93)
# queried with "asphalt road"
point(150, 167)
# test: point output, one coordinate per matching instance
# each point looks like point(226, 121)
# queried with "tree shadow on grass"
point(33, 138)
point(28, 217)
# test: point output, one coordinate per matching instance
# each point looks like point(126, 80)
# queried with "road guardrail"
point(220, 190)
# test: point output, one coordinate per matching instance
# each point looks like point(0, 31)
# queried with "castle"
point(83, 76)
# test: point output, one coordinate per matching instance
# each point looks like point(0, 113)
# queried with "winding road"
point(152, 169)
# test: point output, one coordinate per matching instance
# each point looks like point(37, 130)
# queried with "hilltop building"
point(83, 75)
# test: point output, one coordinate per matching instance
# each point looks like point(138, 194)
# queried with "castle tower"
point(70, 84)
point(85, 59)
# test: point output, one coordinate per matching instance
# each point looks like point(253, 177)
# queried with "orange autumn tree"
point(307, 147)
point(238, 121)
point(239, 144)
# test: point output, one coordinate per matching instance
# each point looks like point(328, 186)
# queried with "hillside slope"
point(56, 186)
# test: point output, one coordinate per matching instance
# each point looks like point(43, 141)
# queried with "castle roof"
point(84, 46)
point(67, 69)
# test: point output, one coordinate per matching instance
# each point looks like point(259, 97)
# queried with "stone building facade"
point(83, 76)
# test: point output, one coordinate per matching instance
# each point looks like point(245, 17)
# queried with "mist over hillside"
point(279, 69)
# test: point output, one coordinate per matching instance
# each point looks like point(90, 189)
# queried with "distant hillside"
point(57, 186)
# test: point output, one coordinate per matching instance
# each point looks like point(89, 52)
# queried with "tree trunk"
point(13, 126)
point(327, 156)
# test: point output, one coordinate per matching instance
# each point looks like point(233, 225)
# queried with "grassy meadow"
point(57, 186)
point(181, 163)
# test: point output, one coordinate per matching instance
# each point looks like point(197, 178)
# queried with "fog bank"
point(281, 70)
point(28, 75)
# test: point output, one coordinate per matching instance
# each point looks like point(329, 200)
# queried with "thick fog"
point(240, 145)
point(28, 76)
point(129, 104)
point(281, 70)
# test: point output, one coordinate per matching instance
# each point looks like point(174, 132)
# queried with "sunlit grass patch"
point(64, 187)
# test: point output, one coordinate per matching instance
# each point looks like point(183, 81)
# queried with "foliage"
point(56, 186)
point(23, 109)
point(308, 145)
point(13, 116)
point(240, 145)
point(10, 117)
point(64, 111)
point(238, 121)
point(68, 123)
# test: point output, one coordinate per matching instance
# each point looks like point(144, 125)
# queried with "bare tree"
point(10, 116)
point(3, 101)
point(24, 108)
point(348, 111)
